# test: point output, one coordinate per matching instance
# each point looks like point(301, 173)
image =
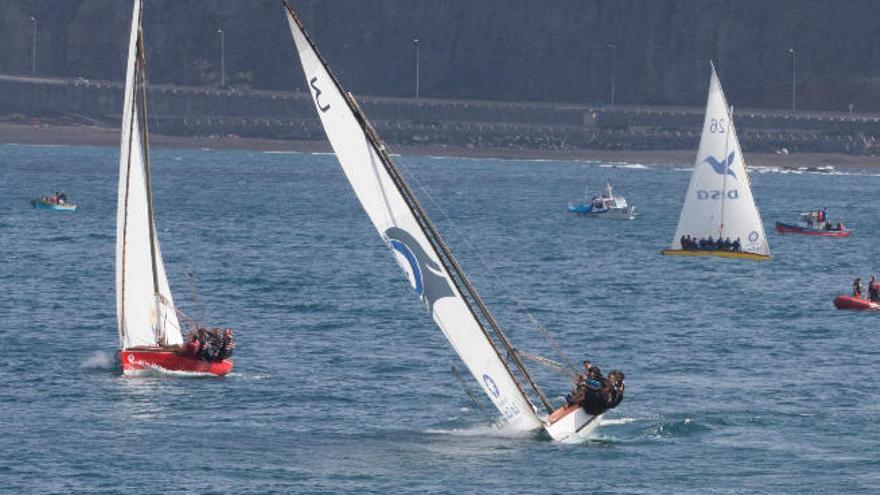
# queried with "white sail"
point(719, 198)
point(143, 301)
point(398, 226)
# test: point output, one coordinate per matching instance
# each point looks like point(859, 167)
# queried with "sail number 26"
point(717, 126)
point(313, 82)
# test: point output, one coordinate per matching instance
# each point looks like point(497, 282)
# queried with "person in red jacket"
point(192, 347)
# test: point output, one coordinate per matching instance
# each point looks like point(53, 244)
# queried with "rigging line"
point(560, 368)
point(494, 277)
point(197, 300)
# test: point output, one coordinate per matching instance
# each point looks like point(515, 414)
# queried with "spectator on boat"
point(857, 288)
point(820, 217)
point(227, 345)
point(873, 289)
point(840, 226)
point(62, 198)
point(737, 245)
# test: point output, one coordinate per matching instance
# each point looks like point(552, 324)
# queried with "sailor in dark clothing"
point(873, 289)
point(227, 345)
point(857, 288)
point(737, 245)
point(202, 335)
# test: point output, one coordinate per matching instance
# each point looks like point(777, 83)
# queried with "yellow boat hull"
point(721, 254)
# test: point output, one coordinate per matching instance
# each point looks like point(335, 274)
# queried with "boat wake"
point(159, 371)
point(483, 430)
point(667, 428)
point(618, 421)
point(99, 360)
point(634, 166)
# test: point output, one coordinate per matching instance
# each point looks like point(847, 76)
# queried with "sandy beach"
point(101, 136)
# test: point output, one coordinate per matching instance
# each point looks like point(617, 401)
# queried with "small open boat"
point(137, 360)
point(44, 203)
point(149, 330)
point(855, 303)
point(605, 205)
point(809, 224)
point(719, 204)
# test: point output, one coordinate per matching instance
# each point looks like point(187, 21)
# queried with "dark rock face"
point(492, 49)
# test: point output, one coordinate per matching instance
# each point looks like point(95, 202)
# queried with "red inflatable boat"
point(784, 228)
point(855, 303)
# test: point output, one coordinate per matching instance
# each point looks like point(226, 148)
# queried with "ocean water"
point(742, 377)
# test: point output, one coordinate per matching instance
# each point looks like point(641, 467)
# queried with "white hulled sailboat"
point(423, 255)
point(719, 216)
point(149, 330)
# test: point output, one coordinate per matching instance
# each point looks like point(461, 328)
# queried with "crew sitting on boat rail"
point(597, 393)
point(693, 244)
point(210, 344)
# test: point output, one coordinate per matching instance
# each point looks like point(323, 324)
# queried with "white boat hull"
point(574, 426)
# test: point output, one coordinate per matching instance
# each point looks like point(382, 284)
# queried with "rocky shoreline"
point(73, 135)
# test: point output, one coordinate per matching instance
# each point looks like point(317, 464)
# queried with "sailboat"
point(432, 270)
point(149, 330)
point(719, 216)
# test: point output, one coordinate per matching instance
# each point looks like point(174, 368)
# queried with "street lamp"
point(416, 42)
point(613, 69)
point(793, 79)
point(222, 58)
point(34, 47)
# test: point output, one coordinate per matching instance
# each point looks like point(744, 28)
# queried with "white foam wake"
point(99, 360)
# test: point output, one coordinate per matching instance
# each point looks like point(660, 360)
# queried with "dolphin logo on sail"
point(720, 166)
point(427, 278)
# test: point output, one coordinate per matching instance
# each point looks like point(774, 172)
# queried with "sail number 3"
point(313, 82)
point(717, 126)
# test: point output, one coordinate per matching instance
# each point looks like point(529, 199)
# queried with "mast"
point(461, 280)
point(727, 165)
point(141, 80)
point(458, 278)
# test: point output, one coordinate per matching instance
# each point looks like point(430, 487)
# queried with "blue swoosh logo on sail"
point(720, 166)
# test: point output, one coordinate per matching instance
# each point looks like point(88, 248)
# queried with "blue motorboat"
point(55, 202)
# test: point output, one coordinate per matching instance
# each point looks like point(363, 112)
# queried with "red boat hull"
point(135, 361)
point(850, 302)
point(784, 228)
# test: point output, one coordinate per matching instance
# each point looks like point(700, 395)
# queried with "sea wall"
point(198, 111)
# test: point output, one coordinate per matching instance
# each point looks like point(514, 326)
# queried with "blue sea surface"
point(742, 377)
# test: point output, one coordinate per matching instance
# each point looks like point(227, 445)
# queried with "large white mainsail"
point(379, 189)
point(144, 307)
point(719, 198)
